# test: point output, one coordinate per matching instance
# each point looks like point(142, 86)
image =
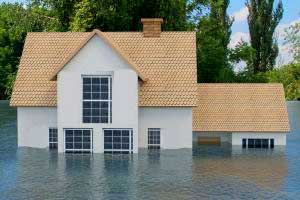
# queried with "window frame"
point(264, 143)
point(109, 100)
point(152, 145)
point(112, 150)
point(51, 142)
point(90, 150)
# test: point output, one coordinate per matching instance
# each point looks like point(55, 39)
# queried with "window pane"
point(96, 96)
point(104, 80)
point(87, 95)
point(104, 88)
point(104, 119)
point(87, 88)
point(86, 80)
point(107, 132)
point(96, 88)
point(87, 120)
point(96, 80)
point(77, 133)
point(95, 119)
point(86, 132)
point(265, 143)
point(250, 143)
point(244, 143)
point(87, 104)
point(104, 96)
point(87, 112)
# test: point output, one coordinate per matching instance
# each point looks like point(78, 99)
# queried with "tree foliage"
point(213, 37)
point(262, 22)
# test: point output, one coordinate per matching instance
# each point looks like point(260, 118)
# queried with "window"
point(118, 141)
point(97, 99)
point(258, 143)
point(154, 138)
point(265, 143)
point(251, 143)
point(244, 143)
point(78, 140)
point(52, 138)
point(272, 143)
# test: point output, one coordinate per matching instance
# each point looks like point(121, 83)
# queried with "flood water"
point(204, 172)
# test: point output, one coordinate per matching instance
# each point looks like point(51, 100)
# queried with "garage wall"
point(34, 124)
point(175, 124)
point(224, 136)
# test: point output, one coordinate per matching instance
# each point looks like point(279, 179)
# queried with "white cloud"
point(241, 15)
point(238, 37)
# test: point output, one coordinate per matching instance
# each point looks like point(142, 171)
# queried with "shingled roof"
point(167, 63)
point(240, 107)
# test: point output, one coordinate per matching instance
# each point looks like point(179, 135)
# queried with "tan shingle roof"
point(168, 63)
point(240, 107)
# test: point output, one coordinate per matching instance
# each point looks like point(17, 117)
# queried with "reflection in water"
point(219, 172)
point(263, 167)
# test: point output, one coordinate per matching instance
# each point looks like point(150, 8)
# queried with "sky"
point(238, 10)
point(240, 30)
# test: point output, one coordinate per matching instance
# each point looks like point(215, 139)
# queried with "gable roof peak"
point(117, 49)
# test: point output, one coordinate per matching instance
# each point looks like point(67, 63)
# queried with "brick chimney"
point(152, 26)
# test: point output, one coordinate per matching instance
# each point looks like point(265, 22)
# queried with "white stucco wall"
point(33, 126)
point(175, 124)
point(97, 58)
point(279, 138)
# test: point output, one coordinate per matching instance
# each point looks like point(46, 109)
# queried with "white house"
point(120, 91)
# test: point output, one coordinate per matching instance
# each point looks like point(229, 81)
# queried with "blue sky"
point(240, 27)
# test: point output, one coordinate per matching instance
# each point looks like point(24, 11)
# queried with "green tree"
point(289, 76)
point(15, 22)
point(213, 36)
point(262, 22)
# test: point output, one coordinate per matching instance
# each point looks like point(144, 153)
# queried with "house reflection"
point(264, 167)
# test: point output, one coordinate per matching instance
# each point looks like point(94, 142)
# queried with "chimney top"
point(152, 27)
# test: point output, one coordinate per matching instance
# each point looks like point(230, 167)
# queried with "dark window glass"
point(250, 143)
point(244, 143)
point(257, 143)
point(272, 143)
point(265, 143)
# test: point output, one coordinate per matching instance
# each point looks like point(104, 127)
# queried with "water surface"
point(206, 172)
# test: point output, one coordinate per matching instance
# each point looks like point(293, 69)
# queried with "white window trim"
point(83, 150)
point(110, 95)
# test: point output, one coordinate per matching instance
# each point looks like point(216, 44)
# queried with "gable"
point(108, 47)
point(96, 56)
